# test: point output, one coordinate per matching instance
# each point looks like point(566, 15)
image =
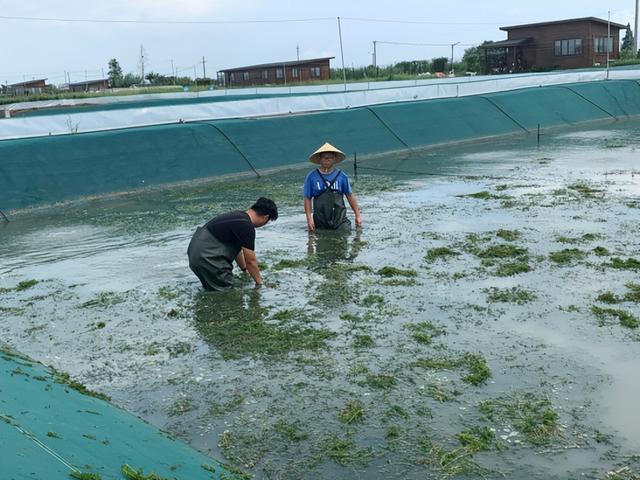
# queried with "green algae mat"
point(53, 428)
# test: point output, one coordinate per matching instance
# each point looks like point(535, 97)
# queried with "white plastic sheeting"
point(61, 124)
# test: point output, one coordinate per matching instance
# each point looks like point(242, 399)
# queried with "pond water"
point(483, 323)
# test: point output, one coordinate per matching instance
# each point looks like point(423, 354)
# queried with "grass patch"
point(26, 284)
point(625, 318)
point(529, 414)
point(586, 190)
point(566, 256)
point(509, 295)
point(424, 332)
point(628, 264)
point(484, 195)
point(440, 253)
point(353, 412)
point(131, 474)
point(373, 300)
point(508, 235)
point(601, 251)
point(290, 263)
point(453, 463)
point(396, 272)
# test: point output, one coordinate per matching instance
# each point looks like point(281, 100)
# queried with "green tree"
point(626, 50)
point(115, 73)
point(439, 64)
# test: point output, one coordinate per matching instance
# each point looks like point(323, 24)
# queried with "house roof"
point(291, 63)
point(507, 43)
point(570, 20)
point(89, 82)
point(28, 82)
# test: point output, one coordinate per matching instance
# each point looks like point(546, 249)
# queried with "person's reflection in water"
point(231, 321)
point(331, 255)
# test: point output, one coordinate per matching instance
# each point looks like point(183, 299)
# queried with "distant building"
point(27, 88)
point(572, 43)
point(276, 73)
point(89, 85)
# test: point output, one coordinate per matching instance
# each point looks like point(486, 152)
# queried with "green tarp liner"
point(57, 168)
point(48, 430)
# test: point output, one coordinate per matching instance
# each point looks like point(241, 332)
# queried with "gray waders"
point(211, 260)
point(329, 212)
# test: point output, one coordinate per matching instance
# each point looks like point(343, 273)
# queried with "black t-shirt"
point(233, 228)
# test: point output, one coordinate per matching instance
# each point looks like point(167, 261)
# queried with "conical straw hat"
point(327, 147)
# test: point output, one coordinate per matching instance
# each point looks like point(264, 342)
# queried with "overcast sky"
point(47, 48)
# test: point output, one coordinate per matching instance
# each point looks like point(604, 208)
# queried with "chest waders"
point(329, 212)
point(211, 260)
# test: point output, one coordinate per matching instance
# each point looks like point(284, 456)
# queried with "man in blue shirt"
point(324, 192)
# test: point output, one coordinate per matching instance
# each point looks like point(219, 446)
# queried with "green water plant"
point(132, 474)
point(566, 256)
point(84, 475)
point(477, 438)
point(628, 264)
point(508, 235)
point(440, 253)
point(425, 332)
point(353, 412)
point(625, 318)
point(510, 295)
point(388, 271)
point(26, 284)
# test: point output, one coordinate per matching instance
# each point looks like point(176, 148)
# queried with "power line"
point(164, 22)
point(425, 44)
point(419, 22)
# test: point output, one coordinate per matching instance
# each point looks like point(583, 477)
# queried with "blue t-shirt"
point(314, 184)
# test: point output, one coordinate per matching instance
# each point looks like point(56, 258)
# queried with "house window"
point(315, 71)
point(294, 73)
point(278, 73)
point(567, 47)
point(600, 44)
point(265, 74)
point(233, 76)
point(245, 76)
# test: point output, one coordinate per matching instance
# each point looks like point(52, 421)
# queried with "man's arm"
point(309, 213)
point(241, 262)
point(251, 263)
point(353, 202)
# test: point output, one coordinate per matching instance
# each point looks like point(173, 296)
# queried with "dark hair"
point(266, 206)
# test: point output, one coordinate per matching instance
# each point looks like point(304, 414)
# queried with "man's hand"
point(358, 219)
point(311, 224)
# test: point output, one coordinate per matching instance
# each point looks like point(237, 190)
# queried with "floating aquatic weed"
point(388, 271)
point(353, 412)
point(179, 348)
point(628, 264)
point(103, 299)
point(504, 250)
point(373, 299)
point(53, 435)
point(625, 318)
point(132, 474)
point(478, 372)
point(586, 190)
point(381, 381)
point(26, 284)
point(509, 295)
point(291, 432)
point(181, 406)
point(344, 451)
point(395, 411)
point(5, 290)
point(399, 282)
point(514, 268)
point(508, 235)
point(608, 297)
point(350, 317)
point(289, 263)
point(601, 251)
point(424, 332)
point(84, 475)
point(566, 256)
point(477, 439)
point(291, 314)
point(528, 413)
point(440, 253)
point(455, 463)
point(167, 293)
point(634, 294)
point(392, 433)
point(65, 379)
point(216, 408)
point(484, 195)
point(363, 341)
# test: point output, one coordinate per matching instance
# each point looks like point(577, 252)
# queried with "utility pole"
point(204, 71)
point(173, 72)
point(344, 72)
point(453, 45)
point(142, 60)
point(298, 52)
point(635, 32)
point(374, 54)
point(609, 42)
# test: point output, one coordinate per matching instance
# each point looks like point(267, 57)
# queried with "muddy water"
point(264, 379)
